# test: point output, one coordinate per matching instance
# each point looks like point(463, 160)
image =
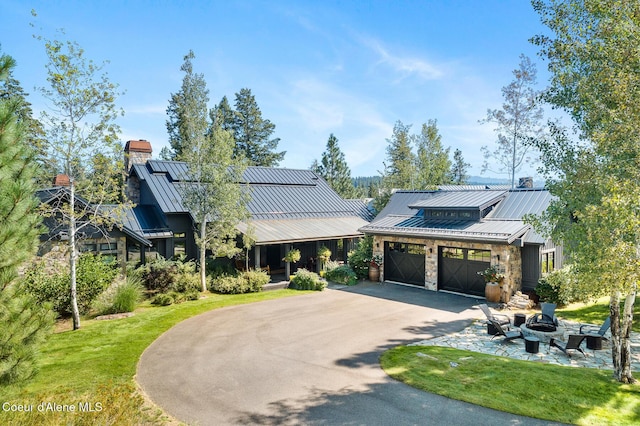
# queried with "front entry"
point(404, 263)
point(458, 269)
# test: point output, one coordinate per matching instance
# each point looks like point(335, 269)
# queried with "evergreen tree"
point(23, 323)
point(433, 164)
point(81, 132)
point(519, 119)
point(400, 168)
point(252, 133)
point(223, 115)
point(334, 169)
point(459, 169)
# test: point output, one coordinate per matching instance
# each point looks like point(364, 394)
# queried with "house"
point(289, 209)
point(441, 239)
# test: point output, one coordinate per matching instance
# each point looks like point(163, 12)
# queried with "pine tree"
point(400, 165)
point(432, 162)
point(334, 169)
point(23, 323)
point(253, 134)
point(459, 169)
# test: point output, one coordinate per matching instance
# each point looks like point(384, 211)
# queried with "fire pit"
point(544, 335)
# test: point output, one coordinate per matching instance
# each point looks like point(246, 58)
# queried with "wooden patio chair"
point(573, 343)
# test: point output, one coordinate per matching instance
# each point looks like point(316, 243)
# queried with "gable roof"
point(278, 198)
point(503, 224)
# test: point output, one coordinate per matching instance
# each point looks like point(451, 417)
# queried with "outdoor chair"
point(548, 315)
point(574, 342)
point(507, 333)
point(500, 318)
point(591, 329)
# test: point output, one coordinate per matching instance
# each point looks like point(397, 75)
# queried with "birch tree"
point(595, 174)
point(80, 126)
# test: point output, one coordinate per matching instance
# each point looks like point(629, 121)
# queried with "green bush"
point(162, 299)
point(217, 267)
point(255, 280)
point(306, 280)
point(246, 282)
point(93, 276)
point(343, 275)
point(186, 282)
point(159, 274)
point(556, 287)
point(360, 258)
point(126, 296)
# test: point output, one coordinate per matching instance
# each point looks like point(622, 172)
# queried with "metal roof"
point(147, 221)
point(473, 187)
point(460, 200)
point(400, 200)
point(307, 229)
point(520, 202)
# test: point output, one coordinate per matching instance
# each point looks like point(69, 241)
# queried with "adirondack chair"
point(547, 316)
point(591, 329)
point(573, 343)
point(501, 318)
point(506, 332)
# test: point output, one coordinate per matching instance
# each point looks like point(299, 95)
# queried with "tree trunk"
point(73, 257)
point(203, 255)
point(620, 334)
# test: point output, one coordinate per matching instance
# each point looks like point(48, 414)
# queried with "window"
point(451, 214)
point(453, 253)
point(133, 252)
point(89, 248)
point(436, 213)
point(416, 249)
point(479, 255)
point(108, 247)
point(548, 262)
point(179, 244)
point(465, 215)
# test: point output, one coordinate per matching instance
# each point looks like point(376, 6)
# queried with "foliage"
point(159, 274)
point(162, 299)
point(292, 256)
point(246, 282)
point(213, 196)
point(594, 179)
point(557, 287)
point(24, 324)
point(519, 119)
point(306, 280)
point(83, 143)
point(334, 169)
point(459, 169)
point(342, 274)
point(399, 167)
point(360, 258)
point(433, 166)
point(324, 254)
point(219, 266)
point(94, 276)
point(252, 133)
point(126, 297)
point(492, 275)
point(377, 260)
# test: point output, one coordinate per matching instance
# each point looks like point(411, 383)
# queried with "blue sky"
point(351, 68)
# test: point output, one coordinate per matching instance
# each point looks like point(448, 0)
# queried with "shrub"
point(306, 280)
point(343, 275)
point(162, 299)
point(247, 282)
point(360, 258)
point(331, 265)
point(556, 287)
point(186, 282)
point(217, 267)
point(159, 275)
point(126, 296)
point(93, 276)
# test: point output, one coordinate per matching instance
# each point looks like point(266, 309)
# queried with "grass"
point(99, 361)
point(550, 392)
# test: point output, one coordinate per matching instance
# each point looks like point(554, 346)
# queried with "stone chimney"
point(61, 180)
point(135, 152)
point(525, 182)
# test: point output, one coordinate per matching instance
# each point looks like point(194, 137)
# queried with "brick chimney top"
point(138, 146)
point(61, 180)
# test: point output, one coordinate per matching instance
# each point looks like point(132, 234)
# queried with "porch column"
point(256, 255)
point(287, 265)
point(346, 245)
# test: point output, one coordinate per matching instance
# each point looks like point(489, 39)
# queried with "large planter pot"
point(492, 292)
point(374, 273)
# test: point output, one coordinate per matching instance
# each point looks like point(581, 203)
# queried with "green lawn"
point(98, 362)
point(564, 394)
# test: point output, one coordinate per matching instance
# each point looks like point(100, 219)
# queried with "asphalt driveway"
point(310, 359)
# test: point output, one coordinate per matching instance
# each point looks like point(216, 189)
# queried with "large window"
point(179, 244)
point(479, 255)
point(407, 248)
point(452, 253)
point(548, 262)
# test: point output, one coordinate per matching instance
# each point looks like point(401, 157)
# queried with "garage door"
point(404, 263)
point(458, 269)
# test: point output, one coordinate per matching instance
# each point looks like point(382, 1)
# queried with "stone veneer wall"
point(507, 257)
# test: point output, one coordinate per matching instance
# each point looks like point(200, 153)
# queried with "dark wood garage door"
point(404, 263)
point(458, 269)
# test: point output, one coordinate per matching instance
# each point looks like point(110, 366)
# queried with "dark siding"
point(530, 266)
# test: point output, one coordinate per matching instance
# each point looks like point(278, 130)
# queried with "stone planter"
point(374, 273)
point(492, 292)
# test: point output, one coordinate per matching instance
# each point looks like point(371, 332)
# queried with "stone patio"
point(475, 338)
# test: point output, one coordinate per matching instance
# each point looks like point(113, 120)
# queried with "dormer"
point(458, 206)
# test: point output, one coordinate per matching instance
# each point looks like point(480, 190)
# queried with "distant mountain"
point(483, 180)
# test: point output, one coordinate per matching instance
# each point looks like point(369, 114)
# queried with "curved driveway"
point(309, 359)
